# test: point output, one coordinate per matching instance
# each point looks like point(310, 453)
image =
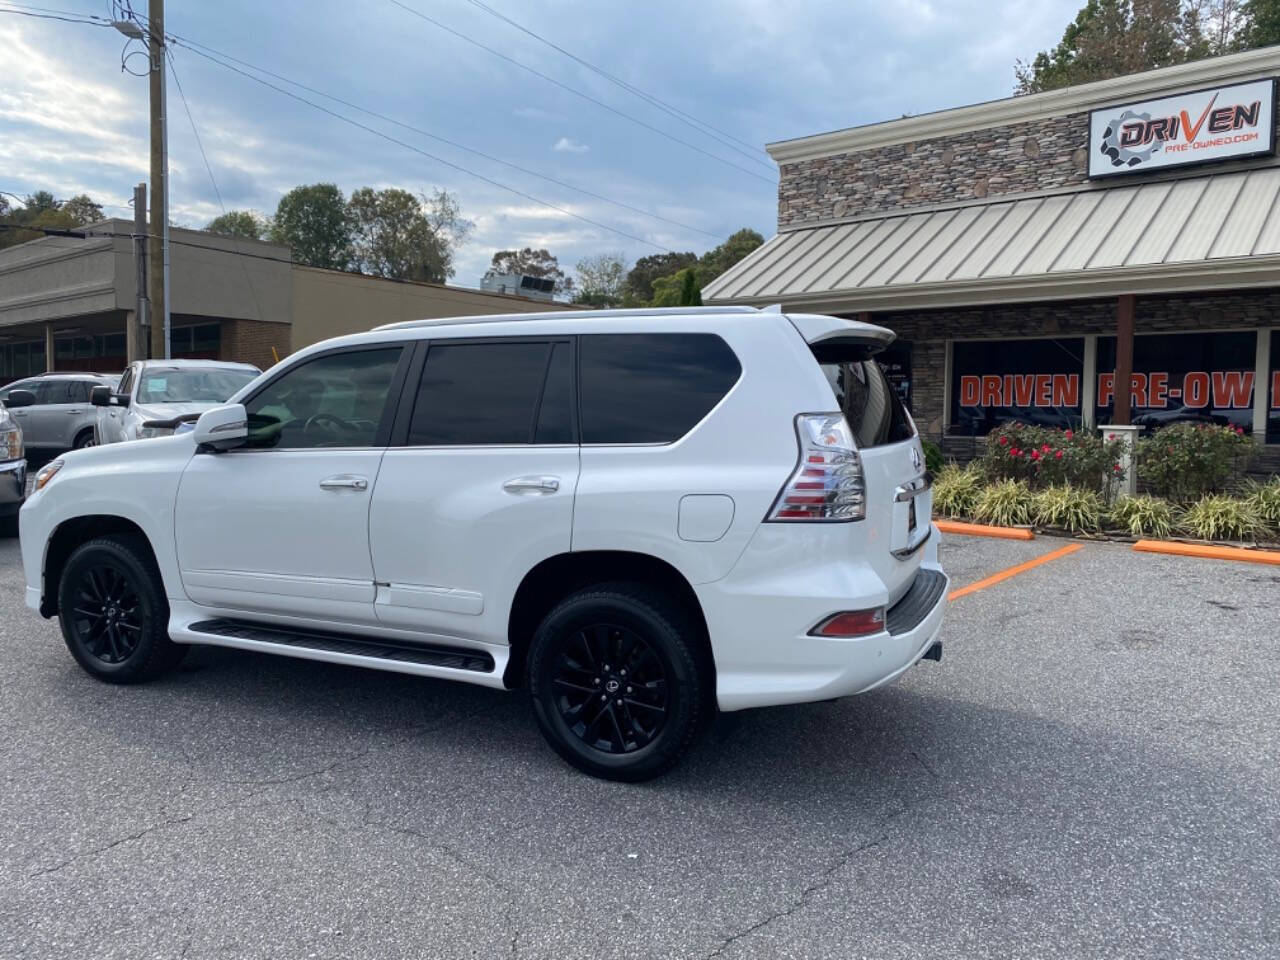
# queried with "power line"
point(430, 156)
point(185, 42)
point(685, 118)
point(63, 15)
point(579, 93)
point(253, 294)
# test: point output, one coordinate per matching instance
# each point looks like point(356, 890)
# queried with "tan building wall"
point(328, 303)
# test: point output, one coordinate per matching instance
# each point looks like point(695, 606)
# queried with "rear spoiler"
point(836, 340)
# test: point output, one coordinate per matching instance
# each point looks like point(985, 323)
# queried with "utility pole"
point(158, 241)
point(140, 334)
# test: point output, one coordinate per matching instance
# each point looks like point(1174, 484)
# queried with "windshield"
point(192, 385)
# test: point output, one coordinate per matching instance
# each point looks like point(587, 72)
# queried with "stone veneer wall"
point(928, 331)
point(1013, 159)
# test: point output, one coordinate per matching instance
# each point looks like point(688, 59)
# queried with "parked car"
point(155, 396)
point(638, 516)
point(13, 464)
point(61, 417)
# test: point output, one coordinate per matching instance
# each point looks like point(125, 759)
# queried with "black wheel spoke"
point(610, 688)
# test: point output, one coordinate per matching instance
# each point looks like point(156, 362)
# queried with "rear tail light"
point(828, 484)
point(851, 623)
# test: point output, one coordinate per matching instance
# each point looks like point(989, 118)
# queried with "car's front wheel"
point(85, 438)
point(616, 683)
point(113, 611)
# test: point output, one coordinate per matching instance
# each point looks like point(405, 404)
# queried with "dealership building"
point(70, 302)
point(1041, 257)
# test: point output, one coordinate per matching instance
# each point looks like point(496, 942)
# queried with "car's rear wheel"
point(616, 684)
point(113, 611)
point(85, 438)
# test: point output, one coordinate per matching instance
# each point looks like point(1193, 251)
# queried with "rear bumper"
point(759, 624)
point(13, 486)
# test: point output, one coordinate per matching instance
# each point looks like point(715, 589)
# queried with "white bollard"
point(1128, 435)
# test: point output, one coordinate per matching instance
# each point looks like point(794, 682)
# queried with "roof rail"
point(571, 314)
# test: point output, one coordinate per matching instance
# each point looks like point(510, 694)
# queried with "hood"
point(167, 411)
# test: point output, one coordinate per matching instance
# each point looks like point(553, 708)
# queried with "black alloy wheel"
point(617, 684)
point(611, 688)
point(113, 611)
point(107, 617)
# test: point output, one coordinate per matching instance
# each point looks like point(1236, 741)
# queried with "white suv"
point(636, 515)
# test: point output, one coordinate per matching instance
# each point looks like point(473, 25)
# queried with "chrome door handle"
point(344, 482)
point(532, 485)
point(73, 413)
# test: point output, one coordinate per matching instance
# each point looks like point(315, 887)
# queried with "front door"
point(479, 489)
point(281, 525)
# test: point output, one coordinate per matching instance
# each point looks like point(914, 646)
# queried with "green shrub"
point(1005, 504)
point(1187, 460)
point(1144, 516)
point(1216, 517)
point(933, 461)
point(955, 490)
point(1078, 509)
point(1265, 499)
point(1046, 457)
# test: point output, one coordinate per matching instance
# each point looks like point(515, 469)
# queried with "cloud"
point(567, 145)
point(537, 113)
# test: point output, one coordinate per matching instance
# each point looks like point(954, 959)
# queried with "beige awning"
point(1204, 233)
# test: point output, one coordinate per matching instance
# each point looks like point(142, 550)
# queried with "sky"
point(71, 121)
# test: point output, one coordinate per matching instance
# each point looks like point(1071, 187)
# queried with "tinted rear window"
point(651, 387)
point(489, 393)
point(869, 403)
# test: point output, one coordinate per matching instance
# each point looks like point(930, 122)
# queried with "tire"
point(595, 717)
point(85, 438)
point(113, 611)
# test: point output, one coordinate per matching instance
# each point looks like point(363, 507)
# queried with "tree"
point(1259, 23)
point(716, 261)
point(239, 223)
point(395, 234)
point(82, 209)
point(40, 211)
point(532, 263)
point(601, 279)
point(681, 289)
point(647, 269)
point(312, 221)
point(1110, 38)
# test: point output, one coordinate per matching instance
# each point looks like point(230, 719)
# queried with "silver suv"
point(61, 418)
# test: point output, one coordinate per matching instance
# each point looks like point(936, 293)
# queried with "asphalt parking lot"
point(1092, 771)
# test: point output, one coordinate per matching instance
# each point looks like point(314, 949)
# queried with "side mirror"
point(20, 398)
point(222, 428)
point(100, 396)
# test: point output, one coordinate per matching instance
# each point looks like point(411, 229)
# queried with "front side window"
point(516, 392)
point(337, 400)
point(191, 384)
point(651, 387)
point(36, 387)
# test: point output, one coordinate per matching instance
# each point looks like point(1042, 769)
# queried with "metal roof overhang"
point(1215, 232)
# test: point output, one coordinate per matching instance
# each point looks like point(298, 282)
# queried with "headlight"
point(146, 433)
point(11, 443)
point(47, 473)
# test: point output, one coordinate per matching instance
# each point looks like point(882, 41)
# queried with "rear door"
point(478, 486)
point(899, 499)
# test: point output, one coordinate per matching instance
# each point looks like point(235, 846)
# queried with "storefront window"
point(1184, 377)
point(896, 364)
point(1032, 381)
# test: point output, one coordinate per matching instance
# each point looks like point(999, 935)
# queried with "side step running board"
point(452, 658)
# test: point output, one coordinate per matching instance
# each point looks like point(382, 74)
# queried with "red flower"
point(1068, 434)
point(1004, 441)
point(1058, 455)
point(1116, 468)
point(1035, 454)
point(1015, 452)
point(1111, 436)
point(1240, 431)
point(1045, 448)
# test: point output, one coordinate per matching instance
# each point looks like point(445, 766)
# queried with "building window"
point(1184, 378)
point(1032, 381)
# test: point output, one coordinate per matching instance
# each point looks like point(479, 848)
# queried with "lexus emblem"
point(612, 686)
point(915, 458)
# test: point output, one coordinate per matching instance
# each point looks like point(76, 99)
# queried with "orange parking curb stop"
point(981, 530)
point(1207, 552)
point(1003, 575)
